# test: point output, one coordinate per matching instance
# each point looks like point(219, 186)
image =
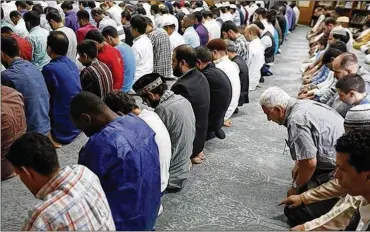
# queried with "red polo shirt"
point(82, 31)
point(113, 59)
point(25, 47)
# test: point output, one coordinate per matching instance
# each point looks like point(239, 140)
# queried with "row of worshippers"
point(333, 99)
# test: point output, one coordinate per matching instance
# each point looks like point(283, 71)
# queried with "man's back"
point(129, 65)
point(125, 157)
point(143, 50)
point(29, 81)
point(25, 47)
point(178, 116)
point(161, 52)
point(63, 82)
point(72, 200)
point(38, 38)
point(113, 59)
point(244, 79)
point(191, 37)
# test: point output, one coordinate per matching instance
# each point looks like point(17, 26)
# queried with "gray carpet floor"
point(239, 185)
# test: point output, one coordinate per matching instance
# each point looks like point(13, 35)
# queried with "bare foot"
point(201, 155)
point(196, 160)
point(227, 123)
point(55, 143)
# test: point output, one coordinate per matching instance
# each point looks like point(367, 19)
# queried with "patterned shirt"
point(72, 200)
point(242, 47)
point(97, 79)
point(161, 51)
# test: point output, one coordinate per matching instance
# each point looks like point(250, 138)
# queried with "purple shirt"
point(203, 34)
point(289, 16)
point(71, 20)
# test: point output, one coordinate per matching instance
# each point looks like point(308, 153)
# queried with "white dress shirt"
point(72, 39)
point(191, 37)
point(115, 12)
point(173, 19)
point(256, 60)
point(214, 29)
point(365, 218)
point(176, 40)
point(21, 29)
point(106, 21)
point(162, 138)
point(143, 51)
point(231, 69)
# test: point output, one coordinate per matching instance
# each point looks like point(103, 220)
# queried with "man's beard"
point(153, 103)
point(177, 71)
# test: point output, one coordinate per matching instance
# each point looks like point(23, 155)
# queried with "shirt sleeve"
point(326, 191)
point(300, 141)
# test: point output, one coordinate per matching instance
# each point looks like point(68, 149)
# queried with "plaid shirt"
point(242, 47)
point(162, 52)
point(97, 79)
point(72, 200)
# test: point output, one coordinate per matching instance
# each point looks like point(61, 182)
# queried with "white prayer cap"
point(167, 21)
point(233, 6)
point(343, 19)
point(226, 4)
point(219, 5)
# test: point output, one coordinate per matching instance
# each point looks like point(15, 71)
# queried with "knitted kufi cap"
point(358, 117)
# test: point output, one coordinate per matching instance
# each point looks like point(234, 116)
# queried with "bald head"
point(188, 21)
point(251, 32)
point(344, 64)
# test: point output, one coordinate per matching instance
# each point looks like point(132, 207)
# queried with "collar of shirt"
point(365, 100)
point(35, 28)
point(167, 94)
point(15, 61)
point(53, 183)
point(288, 109)
point(186, 73)
point(365, 214)
point(221, 59)
point(140, 37)
point(190, 28)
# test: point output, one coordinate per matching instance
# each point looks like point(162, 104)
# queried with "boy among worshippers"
point(111, 37)
point(72, 197)
point(193, 86)
point(201, 29)
point(175, 38)
point(20, 25)
point(25, 47)
point(357, 118)
point(63, 82)
point(123, 153)
point(220, 92)
point(243, 74)
point(142, 47)
point(109, 56)
point(256, 55)
point(38, 38)
point(190, 35)
point(161, 49)
point(85, 25)
point(70, 20)
point(212, 25)
point(56, 23)
point(231, 69)
point(101, 19)
point(29, 81)
point(177, 115)
point(231, 32)
point(352, 90)
point(13, 126)
point(122, 103)
point(96, 77)
point(313, 129)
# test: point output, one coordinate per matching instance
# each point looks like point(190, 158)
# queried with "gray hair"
point(273, 97)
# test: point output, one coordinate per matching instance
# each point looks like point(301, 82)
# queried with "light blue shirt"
point(6, 24)
point(191, 37)
point(38, 37)
point(129, 65)
point(321, 76)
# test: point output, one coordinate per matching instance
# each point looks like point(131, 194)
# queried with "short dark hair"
point(155, 9)
point(95, 35)
point(91, 4)
point(323, 41)
point(36, 151)
point(339, 45)
point(148, 21)
point(259, 24)
point(88, 47)
point(271, 16)
point(141, 11)
point(351, 82)
point(88, 103)
point(330, 20)
point(58, 42)
point(330, 55)
point(229, 25)
point(38, 8)
point(9, 46)
point(55, 16)
point(110, 31)
point(186, 53)
point(15, 13)
point(67, 5)
point(50, 9)
point(343, 38)
point(83, 14)
point(126, 14)
point(138, 23)
point(203, 54)
point(97, 11)
point(261, 11)
point(198, 16)
point(6, 30)
point(147, 79)
point(207, 14)
point(120, 101)
point(357, 145)
point(33, 17)
point(21, 4)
